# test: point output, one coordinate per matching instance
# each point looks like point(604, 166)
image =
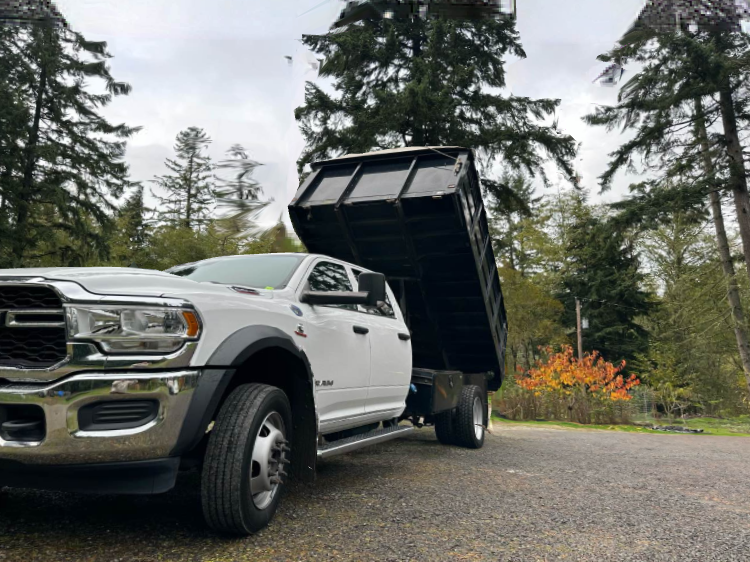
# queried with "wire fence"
point(644, 402)
point(644, 408)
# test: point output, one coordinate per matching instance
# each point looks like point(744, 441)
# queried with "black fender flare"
point(247, 341)
point(217, 374)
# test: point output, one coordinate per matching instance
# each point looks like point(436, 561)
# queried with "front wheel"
point(243, 473)
point(469, 425)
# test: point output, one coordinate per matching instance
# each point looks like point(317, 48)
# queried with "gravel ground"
point(530, 494)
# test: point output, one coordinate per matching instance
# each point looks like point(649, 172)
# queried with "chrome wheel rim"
point(478, 418)
point(268, 460)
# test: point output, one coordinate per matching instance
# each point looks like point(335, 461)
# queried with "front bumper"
point(66, 444)
point(131, 478)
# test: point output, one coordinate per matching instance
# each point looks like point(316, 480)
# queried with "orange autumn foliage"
point(563, 374)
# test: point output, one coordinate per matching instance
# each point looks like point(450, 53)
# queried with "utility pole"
point(578, 327)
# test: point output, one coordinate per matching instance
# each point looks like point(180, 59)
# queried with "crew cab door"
point(337, 345)
point(390, 356)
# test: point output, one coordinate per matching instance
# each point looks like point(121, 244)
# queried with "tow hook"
point(23, 430)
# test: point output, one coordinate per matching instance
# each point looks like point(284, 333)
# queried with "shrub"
point(562, 387)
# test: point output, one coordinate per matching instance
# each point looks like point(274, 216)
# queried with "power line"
point(313, 8)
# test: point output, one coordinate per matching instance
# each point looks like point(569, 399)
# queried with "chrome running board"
point(364, 440)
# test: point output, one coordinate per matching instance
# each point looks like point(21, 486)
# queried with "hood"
point(111, 280)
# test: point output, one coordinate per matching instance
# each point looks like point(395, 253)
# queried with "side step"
point(364, 440)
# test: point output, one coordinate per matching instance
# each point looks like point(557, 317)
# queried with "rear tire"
point(469, 423)
point(243, 472)
point(444, 427)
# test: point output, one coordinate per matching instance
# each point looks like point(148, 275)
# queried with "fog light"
point(120, 414)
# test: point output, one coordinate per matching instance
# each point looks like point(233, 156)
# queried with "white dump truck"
point(253, 368)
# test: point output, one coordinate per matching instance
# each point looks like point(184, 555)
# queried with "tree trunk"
point(733, 293)
point(529, 356)
point(30, 157)
point(511, 256)
point(737, 177)
point(418, 138)
point(189, 202)
point(516, 230)
point(4, 192)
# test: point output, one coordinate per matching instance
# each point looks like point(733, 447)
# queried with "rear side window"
point(387, 310)
point(327, 276)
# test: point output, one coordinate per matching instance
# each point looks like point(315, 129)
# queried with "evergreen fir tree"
point(603, 271)
point(689, 85)
point(510, 202)
point(417, 82)
point(189, 189)
point(60, 160)
point(133, 236)
point(13, 123)
point(240, 186)
point(689, 340)
point(238, 196)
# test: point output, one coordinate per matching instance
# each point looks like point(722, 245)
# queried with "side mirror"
point(374, 285)
point(371, 292)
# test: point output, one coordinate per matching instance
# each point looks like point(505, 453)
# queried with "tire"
point(444, 427)
point(469, 423)
point(253, 414)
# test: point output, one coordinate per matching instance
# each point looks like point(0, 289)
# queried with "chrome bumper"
point(86, 357)
point(66, 443)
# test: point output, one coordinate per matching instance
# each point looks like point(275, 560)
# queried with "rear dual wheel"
point(444, 427)
point(464, 426)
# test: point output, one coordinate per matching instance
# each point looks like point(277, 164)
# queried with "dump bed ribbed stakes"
point(417, 216)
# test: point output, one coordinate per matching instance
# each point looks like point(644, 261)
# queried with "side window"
point(327, 276)
point(386, 311)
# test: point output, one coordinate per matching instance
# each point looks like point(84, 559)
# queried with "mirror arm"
point(334, 297)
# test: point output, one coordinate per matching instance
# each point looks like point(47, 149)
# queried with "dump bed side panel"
point(416, 216)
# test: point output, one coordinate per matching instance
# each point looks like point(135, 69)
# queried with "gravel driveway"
point(530, 494)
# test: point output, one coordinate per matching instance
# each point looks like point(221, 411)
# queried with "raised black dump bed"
point(416, 215)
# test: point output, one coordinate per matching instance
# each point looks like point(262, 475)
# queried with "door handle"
point(361, 330)
point(404, 337)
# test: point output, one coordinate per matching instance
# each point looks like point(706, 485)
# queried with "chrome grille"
point(32, 327)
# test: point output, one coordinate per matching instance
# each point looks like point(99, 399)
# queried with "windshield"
point(262, 271)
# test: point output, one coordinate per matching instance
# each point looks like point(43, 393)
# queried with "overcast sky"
point(221, 65)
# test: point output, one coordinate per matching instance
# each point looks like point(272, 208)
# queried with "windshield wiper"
point(238, 288)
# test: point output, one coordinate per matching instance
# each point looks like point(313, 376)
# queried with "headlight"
point(133, 329)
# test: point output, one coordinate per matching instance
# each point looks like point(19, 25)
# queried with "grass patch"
point(571, 425)
point(716, 426)
point(736, 427)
